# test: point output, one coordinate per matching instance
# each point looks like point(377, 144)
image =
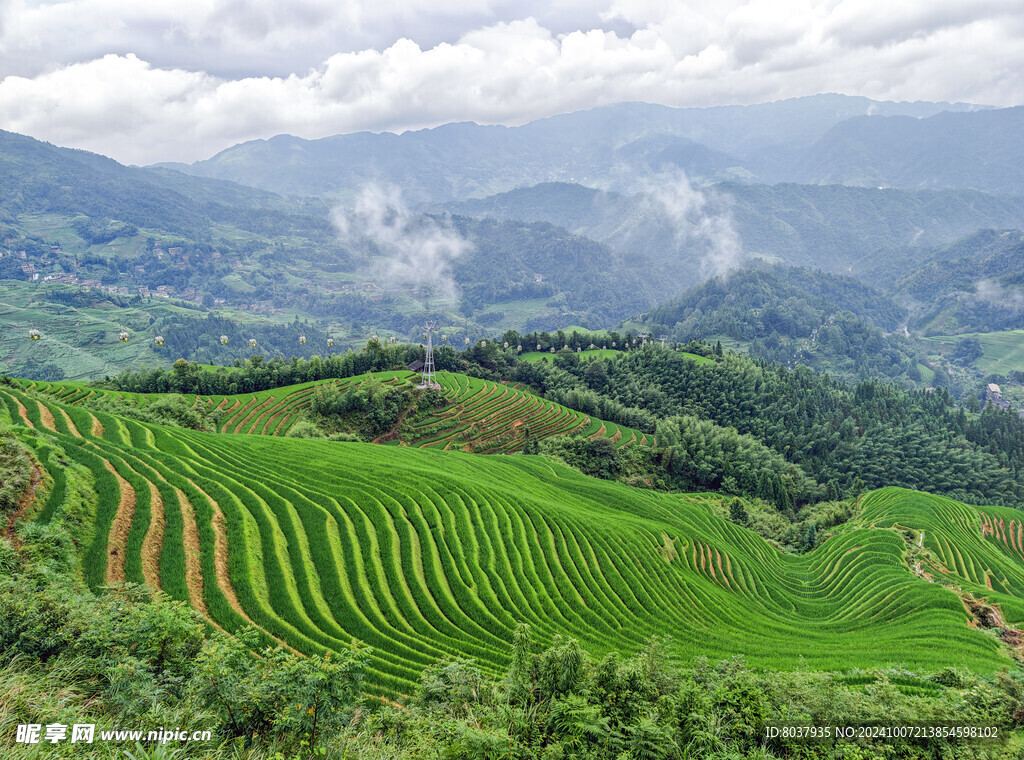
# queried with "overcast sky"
point(178, 80)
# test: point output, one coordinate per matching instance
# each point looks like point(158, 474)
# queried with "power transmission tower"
point(429, 380)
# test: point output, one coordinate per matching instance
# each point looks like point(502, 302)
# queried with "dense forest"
point(843, 436)
point(797, 316)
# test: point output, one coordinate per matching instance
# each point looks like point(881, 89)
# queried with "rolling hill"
point(478, 415)
point(457, 161)
point(423, 553)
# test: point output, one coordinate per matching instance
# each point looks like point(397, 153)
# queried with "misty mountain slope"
point(42, 178)
point(454, 160)
point(738, 130)
point(607, 144)
point(39, 177)
point(850, 229)
point(979, 151)
point(834, 227)
point(511, 261)
point(976, 285)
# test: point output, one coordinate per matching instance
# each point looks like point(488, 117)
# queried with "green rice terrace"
point(426, 552)
point(479, 415)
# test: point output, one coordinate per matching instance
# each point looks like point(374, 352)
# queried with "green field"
point(1003, 351)
point(481, 416)
point(423, 553)
point(82, 341)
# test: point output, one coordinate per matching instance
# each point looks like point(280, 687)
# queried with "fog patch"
point(996, 294)
point(701, 221)
point(410, 252)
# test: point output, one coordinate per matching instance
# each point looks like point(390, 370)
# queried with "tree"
point(596, 374)
point(810, 539)
point(738, 513)
point(519, 678)
point(856, 488)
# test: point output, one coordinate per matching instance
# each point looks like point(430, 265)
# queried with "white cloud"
point(410, 250)
point(179, 80)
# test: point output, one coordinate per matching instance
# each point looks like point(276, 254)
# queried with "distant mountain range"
point(824, 139)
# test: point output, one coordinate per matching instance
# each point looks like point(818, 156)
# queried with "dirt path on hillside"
point(393, 432)
point(23, 412)
point(117, 539)
point(193, 562)
point(153, 543)
point(97, 427)
point(220, 557)
point(47, 417)
point(70, 424)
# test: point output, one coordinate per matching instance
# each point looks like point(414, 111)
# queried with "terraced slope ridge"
point(423, 553)
point(479, 415)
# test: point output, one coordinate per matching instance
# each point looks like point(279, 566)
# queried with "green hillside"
point(477, 415)
point(426, 553)
point(1002, 352)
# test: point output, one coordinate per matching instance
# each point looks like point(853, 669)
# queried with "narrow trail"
point(220, 558)
point(393, 432)
point(70, 424)
point(193, 563)
point(47, 417)
point(23, 412)
point(117, 542)
point(153, 543)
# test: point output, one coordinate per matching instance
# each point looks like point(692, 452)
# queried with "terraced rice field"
point(1002, 352)
point(481, 416)
point(488, 417)
point(426, 553)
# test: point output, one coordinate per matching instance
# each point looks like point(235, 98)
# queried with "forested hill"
point(976, 285)
point(511, 260)
point(844, 436)
point(111, 199)
point(796, 316)
point(769, 288)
